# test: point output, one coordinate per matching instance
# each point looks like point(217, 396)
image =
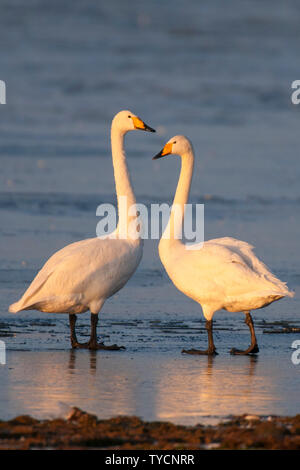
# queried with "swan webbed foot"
point(76, 345)
point(253, 349)
point(200, 352)
point(211, 350)
point(92, 344)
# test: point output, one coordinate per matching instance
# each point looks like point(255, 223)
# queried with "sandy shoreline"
point(81, 430)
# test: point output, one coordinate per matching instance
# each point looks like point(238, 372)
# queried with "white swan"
point(82, 275)
point(224, 273)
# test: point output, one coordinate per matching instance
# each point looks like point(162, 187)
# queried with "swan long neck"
point(124, 190)
point(173, 230)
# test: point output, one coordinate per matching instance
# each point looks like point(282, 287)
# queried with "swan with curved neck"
point(82, 275)
point(222, 273)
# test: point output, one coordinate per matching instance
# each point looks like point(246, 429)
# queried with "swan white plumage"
point(223, 273)
point(82, 275)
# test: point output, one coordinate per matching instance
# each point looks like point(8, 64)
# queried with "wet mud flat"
point(81, 430)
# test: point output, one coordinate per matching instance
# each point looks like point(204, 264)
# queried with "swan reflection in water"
point(175, 389)
point(152, 386)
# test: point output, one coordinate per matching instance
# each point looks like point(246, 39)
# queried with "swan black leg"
point(93, 344)
point(72, 321)
point(211, 350)
point(74, 342)
point(253, 348)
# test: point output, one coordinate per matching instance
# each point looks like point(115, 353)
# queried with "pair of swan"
point(223, 274)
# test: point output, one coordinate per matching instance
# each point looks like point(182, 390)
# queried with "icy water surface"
point(220, 76)
point(151, 379)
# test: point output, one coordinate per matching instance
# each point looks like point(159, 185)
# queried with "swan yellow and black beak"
point(139, 124)
point(165, 151)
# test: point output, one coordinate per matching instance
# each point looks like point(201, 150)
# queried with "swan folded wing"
point(84, 271)
point(245, 251)
point(43, 275)
point(229, 273)
point(202, 275)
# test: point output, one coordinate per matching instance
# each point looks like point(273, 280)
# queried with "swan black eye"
point(174, 142)
point(129, 116)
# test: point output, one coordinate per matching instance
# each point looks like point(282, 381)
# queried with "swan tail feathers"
point(22, 304)
point(290, 293)
point(26, 300)
point(280, 287)
point(275, 294)
point(16, 307)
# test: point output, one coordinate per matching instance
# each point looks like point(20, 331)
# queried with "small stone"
point(252, 418)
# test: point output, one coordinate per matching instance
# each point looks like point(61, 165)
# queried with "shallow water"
point(222, 78)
